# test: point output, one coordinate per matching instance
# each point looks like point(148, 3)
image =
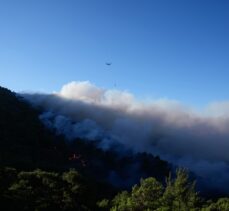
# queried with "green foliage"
point(7, 177)
point(178, 195)
point(42, 190)
point(147, 195)
point(74, 191)
point(221, 205)
point(37, 189)
point(103, 204)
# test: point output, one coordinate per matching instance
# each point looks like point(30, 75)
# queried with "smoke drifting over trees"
point(164, 128)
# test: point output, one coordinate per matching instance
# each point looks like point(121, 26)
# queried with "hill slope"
point(26, 144)
point(24, 141)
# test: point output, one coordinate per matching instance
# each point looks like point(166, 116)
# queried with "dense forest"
point(40, 170)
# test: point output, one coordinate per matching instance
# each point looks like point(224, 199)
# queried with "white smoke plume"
point(165, 128)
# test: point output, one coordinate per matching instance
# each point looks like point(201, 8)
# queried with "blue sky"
point(158, 48)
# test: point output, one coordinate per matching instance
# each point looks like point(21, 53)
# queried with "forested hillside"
point(42, 171)
point(24, 141)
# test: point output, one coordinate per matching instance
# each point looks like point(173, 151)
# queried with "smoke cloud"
point(176, 133)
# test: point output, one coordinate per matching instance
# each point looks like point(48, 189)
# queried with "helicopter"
point(108, 63)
